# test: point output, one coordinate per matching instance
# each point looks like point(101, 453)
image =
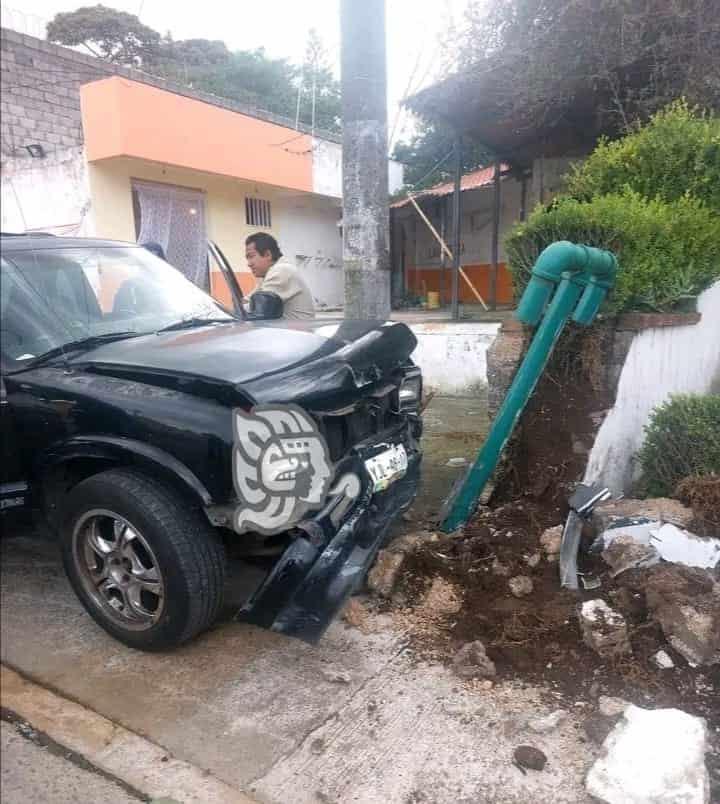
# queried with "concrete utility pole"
point(366, 228)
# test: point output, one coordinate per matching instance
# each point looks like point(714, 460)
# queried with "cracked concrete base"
point(354, 719)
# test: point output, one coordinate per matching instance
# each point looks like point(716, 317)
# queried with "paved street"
point(32, 774)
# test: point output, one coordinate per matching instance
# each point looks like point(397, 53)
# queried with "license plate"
point(387, 467)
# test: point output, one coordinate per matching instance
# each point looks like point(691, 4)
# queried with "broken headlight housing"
point(409, 393)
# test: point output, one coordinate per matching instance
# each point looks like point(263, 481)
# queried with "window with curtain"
point(175, 218)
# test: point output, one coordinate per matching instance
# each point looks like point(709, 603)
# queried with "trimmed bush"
point(676, 154)
point(668, 252)
point(682, 439)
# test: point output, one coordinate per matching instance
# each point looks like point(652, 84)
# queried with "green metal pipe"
point(573, 272)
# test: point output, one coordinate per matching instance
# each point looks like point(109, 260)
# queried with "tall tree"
point(107, 33)
point(318, 90)
point(250, 77)
point(427, 156)
point(631, 57)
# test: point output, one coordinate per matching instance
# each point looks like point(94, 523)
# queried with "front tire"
point(146, 565)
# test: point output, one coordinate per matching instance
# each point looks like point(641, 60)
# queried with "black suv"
point(156, 430)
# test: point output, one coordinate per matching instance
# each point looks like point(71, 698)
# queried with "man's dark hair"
point(264, 242)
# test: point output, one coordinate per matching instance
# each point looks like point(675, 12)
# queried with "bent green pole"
point(574, 273)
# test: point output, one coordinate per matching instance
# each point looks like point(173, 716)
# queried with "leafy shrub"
point(682, 439)
point(667, 251)
point(675, 154)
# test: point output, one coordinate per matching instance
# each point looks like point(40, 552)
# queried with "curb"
point(118, 752)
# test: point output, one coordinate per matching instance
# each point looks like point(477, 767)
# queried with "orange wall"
point(125, 118)
point(219, 288)
point(440, 280)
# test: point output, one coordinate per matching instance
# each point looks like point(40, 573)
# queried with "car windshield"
point(51, 298)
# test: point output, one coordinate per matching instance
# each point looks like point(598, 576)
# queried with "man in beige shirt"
point(275, 275)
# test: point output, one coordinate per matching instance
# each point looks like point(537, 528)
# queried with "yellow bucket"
point(433, 300)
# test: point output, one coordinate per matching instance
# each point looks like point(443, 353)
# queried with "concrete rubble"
point(521, 586)
point(550, 541)
point(686, 603)
point(471, 661)
point(662, 660)
point(652, 757)
point(609, 514)
point(604, 630)
point(626, 550)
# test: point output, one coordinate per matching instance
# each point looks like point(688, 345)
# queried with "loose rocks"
point(527, 756)
point(521, 586)
point(550, 542)
point(384, 574)
point(603, 629)
point(471, 661)
point(686, 603)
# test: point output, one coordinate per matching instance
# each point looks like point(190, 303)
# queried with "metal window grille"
point(257, 212)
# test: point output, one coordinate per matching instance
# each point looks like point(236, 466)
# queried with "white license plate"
point(387, 467)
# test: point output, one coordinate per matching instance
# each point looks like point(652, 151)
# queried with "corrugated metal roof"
point(483, 177)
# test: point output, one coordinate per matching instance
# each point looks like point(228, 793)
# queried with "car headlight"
point(410, 391)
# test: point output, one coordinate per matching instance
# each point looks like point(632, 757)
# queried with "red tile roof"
point(483, 177)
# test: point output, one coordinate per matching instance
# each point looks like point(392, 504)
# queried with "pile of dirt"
point(459, 589)
point(548, 451)
point(702, 494)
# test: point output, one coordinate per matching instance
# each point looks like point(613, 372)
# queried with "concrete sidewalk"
point(353, 719)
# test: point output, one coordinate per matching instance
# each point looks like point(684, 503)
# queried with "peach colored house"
point(128, 156)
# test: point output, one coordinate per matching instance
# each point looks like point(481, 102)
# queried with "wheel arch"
point(66, 464)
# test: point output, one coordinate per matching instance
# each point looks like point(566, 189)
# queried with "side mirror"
point(264, 306)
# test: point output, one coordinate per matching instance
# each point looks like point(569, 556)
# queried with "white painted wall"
point(308, 232)
point(453, 357)
point(51, 194)
point(660, 362)
point(327, 170)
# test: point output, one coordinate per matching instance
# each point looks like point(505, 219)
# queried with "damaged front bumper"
point(331, 554)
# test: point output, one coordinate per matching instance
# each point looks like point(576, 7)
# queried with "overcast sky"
point(281, 27)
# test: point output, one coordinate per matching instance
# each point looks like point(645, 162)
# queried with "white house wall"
point(308, 233)
point(327, 170)
point(49, 194)
point(662, 361)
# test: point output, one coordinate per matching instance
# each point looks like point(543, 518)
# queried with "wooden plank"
point(446, 250)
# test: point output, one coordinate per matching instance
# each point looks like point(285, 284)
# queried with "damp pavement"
point(357, 718)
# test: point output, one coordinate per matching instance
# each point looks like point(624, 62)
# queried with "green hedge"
point(667, 252)
point(682, 439)
point(676, 154)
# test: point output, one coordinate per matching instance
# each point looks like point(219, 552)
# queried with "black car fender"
point(114, 450)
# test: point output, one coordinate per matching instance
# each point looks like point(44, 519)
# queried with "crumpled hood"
point(245, 354)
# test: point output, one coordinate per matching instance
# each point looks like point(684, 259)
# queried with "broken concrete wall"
point(662, 360)
point(50, 194)
point(454, 357)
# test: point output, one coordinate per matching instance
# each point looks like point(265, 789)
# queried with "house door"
point(174, 217)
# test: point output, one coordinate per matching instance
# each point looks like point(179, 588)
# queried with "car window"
point(55, 296)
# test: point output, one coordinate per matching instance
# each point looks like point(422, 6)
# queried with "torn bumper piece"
point(320, 569)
